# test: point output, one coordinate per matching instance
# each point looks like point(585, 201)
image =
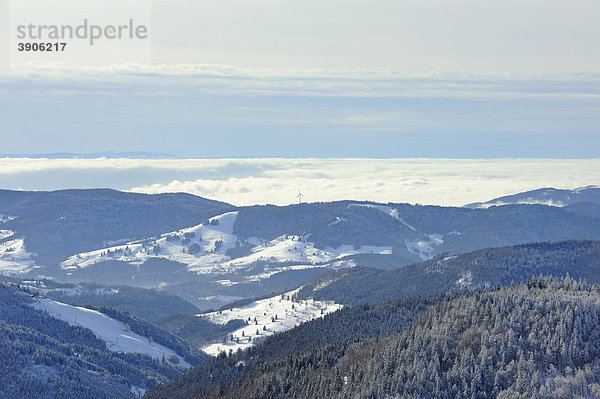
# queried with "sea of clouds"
point(452, 182)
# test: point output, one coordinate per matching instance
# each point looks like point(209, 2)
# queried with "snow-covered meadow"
point(14, 258)
point(204, 249)
point(117, 337)
point(266, 317)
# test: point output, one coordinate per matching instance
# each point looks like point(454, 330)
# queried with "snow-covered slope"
point(40, 288)
point(298, 249)
point(423, 245)
point(204, 249)
point(266, 317)
point(545, 196)
point(386, 209)
point(14, 258)
point(201, 247)
point(425, 249)
point(107, 329)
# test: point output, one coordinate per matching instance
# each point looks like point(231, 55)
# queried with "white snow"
point(465, 280)
point(297, 249)
point(211, 239)
point(289, 314)
point(226, 283)
point(72, 291)
point(34, 286)
point(106, 291)
point(393, 212)
point(69, 291)
point(107, 329)
point(14, 258)
point(342, 264)
point(115, 242)
point(6, 218)
point(527, 201)
point(212, 242)
point(337, 220)
point(425, 248)
point(272, 270)
point(139, 392)
point(221, 298)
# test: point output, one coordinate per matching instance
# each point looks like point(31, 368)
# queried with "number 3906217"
point(41, 46)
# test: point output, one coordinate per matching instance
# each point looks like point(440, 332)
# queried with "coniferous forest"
point(43, 357)
point(539, 339)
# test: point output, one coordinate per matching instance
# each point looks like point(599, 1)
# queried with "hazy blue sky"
point(308, 78)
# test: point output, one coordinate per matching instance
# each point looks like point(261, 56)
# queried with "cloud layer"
point(218, 111)
point(277, 180)
point(313, 78)
point(509, 35)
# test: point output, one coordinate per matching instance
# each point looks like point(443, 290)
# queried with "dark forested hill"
point(72, 223)
point(43, 357)
point(144, 303)
point(177, 242)
point(585, 208)
point(414, 230)
point(60, 223)
point(482, 268)
point(537, 340)
point(359, 322)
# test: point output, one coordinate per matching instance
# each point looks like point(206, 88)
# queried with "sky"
point(431, 101)
point(308, 78)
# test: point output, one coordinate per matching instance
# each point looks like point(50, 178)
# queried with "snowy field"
point(203, 248)
point(297, 249)
point(107, 329)
point(264, 318)
point(14, 258)
point(40, 288)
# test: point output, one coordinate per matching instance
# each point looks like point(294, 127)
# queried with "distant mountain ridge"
point(57, 224)
point(546, 196)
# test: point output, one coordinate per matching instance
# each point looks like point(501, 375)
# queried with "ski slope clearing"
point(204, 249)
point(425, 246)
point(386, 209)
point(424, 249)
point(14, 258)
point(107, 329)
point(264, 318)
